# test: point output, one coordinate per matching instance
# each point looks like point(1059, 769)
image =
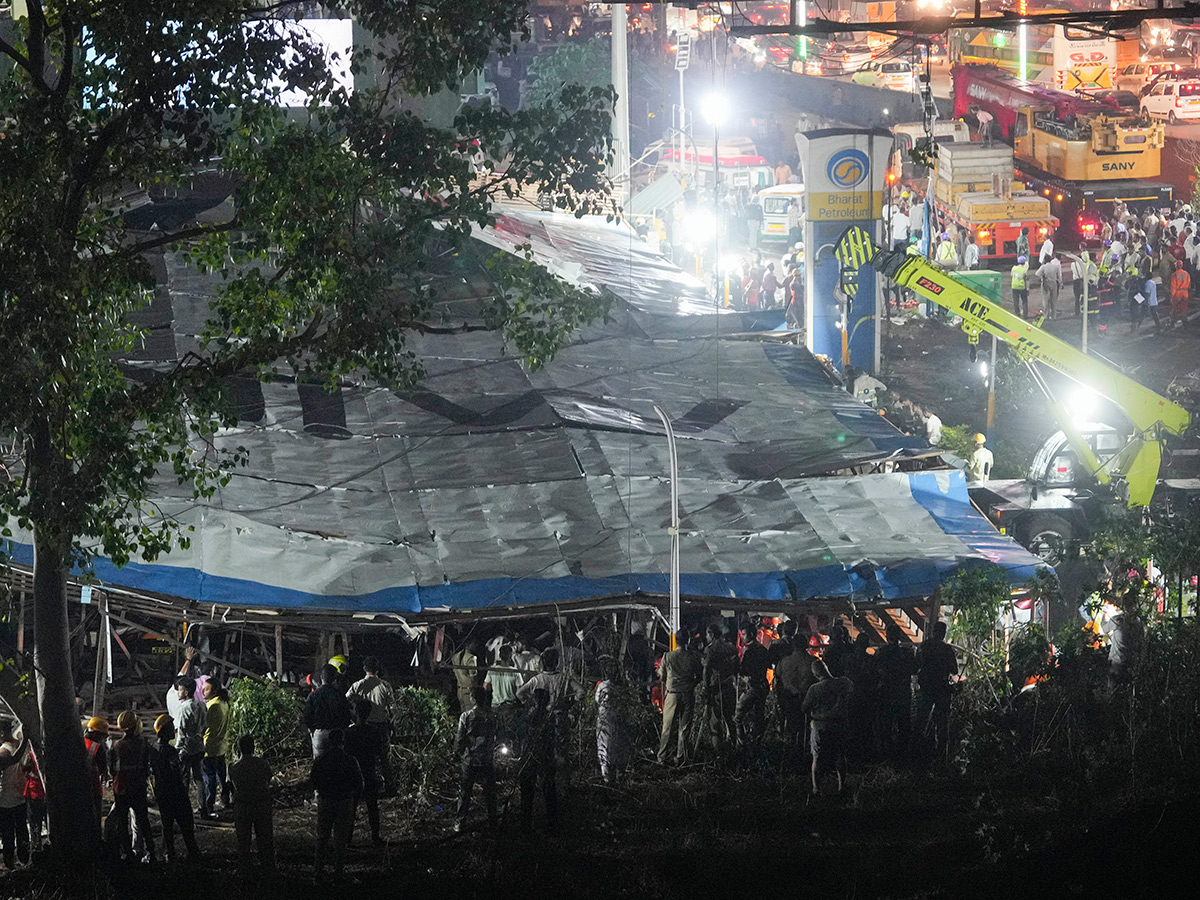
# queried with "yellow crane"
point(1135, 466)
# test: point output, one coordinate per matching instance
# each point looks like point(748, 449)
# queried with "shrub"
point(422, 737)
point(270, 713)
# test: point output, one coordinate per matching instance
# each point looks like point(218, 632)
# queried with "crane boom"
point(1152, 415)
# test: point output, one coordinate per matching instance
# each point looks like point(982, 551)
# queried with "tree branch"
point(68, 57)
point(185, 235)
point(37, 44)
point(19, 58)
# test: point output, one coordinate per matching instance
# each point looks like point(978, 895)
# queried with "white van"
point(775, 201)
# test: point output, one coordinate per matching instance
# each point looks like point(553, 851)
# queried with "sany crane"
point(1136, 464)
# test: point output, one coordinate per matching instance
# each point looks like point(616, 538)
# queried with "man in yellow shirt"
point(216, 748)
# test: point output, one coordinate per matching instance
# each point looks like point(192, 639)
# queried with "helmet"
point(162, 722)
point(1021, 260)
point(1108, 242)
point(799, 245)
point(1114, 256)
point(980, 438)
point(339, 662)
point(96, 723)
point(129, 721)
point(1187, 207)
point(945, 235)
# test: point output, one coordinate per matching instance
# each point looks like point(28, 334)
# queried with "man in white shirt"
point(1047, 251)
point(503, 679)
point(379, 694)
point(933, 427)
point(900, 227)
point(971, 254)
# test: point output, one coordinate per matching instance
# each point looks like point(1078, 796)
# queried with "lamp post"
point(673, 460)
point(716, 110)
point(1085, 266)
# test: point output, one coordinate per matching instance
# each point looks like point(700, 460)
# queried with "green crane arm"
point(1152, 415)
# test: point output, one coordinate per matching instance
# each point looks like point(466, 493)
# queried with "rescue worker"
point(95, 745)
point(535, 731)
point(1018, 274)
point(750, 713)
point(170, 790)
point(1050, 272)
point(680, 672)
point(980, 466)
point(1181, 288)
point(1023, 243)
point(466, 673)
point(947, 255)
point(720, 665)
point(131, 769)
point(475, 746)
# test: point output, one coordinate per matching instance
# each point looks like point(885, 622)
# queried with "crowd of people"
point(833, 698)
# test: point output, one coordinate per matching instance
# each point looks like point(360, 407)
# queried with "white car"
point(1173, 100)
point(895, 74)
point(1136, 75)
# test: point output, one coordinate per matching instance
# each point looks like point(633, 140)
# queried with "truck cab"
point(1058, 503)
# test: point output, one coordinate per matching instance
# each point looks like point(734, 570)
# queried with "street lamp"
point(715, 110)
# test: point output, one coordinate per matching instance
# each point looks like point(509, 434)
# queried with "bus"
point(1063, 57)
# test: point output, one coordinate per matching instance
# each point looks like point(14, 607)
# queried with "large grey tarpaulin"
point(496, 486)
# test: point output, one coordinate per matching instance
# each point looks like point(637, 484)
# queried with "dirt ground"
point(696, 832)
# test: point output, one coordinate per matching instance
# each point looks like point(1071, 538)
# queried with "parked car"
point(1180, 74)
point(1135, 75)
point(1173, 101)
point(895, 74)
point(1126, 100)
point(844, 59)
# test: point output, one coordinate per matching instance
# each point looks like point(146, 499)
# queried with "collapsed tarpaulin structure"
point(496, 488)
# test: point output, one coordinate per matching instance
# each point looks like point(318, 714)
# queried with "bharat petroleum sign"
point(848, 168)
point(843, 174)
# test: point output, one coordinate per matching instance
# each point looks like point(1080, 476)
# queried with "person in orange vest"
point(1181, 286)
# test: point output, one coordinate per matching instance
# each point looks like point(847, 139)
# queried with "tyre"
point(1171, 119)
point(1145, 113)
point(1046, 535)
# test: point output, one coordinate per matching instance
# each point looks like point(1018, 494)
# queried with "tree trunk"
point(74, 831)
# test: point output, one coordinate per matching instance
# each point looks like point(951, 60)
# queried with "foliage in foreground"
point(271, 714)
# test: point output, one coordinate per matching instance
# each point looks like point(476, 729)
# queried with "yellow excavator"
point(1129, 472)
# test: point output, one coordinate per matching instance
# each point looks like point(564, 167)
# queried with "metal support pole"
point(620, 80)
point(279, 653)
point(718, 290)
point(674, 529)
point(1084, 341)
point(991, 411)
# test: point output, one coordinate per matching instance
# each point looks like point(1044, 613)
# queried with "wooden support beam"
point(279, 653)
point(101, 654)
point(180, 645)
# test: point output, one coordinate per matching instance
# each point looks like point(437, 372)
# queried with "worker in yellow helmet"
point(170, 790)
point(980, 466)
point(130, 758)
